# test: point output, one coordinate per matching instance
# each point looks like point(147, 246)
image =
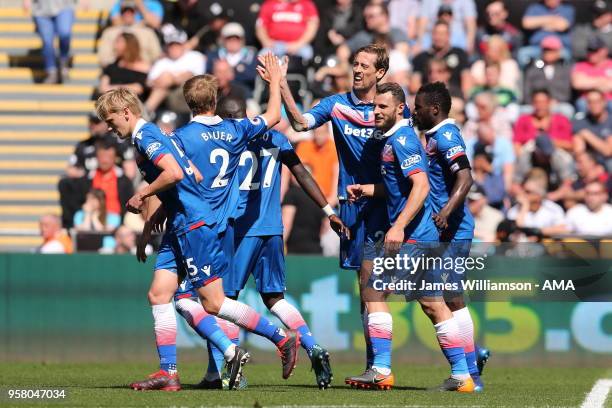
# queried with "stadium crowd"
point(534, 103)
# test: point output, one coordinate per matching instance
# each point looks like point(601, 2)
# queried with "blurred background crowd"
point(531, 84)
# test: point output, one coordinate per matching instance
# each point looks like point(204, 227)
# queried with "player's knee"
point(270, 299)
point(213, 305)
point(158, 298)
point(455, 304)
point(432, 309)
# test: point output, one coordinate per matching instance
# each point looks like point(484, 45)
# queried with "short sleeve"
point(151, 146)
point(320, 113)
point(280, 140)
point(115, 10)
point(265, 15)
point(409, 155)
point(310, 10)
point(450, 146)
point(253, 128)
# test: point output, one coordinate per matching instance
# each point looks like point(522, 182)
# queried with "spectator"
point(593, 132)
point(302, 220)
point(167, 122)
point(150, 12)
point(438, 71)
point(125, 242)
point(550, 72)
point(319, 156)
point(233, 49)
point(491, 183)
point(55, 240)
point(593, 217)
point(107, 177)
point(487, 112)
point(594, 73)
point(457, 111)
point(462, 26)
point(535, 211)
point(600, 25)
point(456, 60)
point(377, 30)
point(331, 79)
point(588, 171)
point(497, 53)
point(93, 217)
point(84, 160)
point(486, 218)
point(543, 122)
point(288, 27)
point(129, 70)
point(548, 17)
point(496, 23)
point(337, 26)
point(150, 48)
point(404, 15)
point(197, 20)
point(228, 88)
point(505, 99)
point(169, 73)
point(53, 18)
point(493, 135)
point(556, 164)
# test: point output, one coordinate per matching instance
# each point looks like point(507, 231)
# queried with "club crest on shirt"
point(387, 154)
point(432, 146)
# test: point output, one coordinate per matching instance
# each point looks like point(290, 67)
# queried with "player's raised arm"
point(297, 121)
point(310, 186)
point(271, 73)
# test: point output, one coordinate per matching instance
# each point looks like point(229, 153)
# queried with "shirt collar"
point(358, 101)
point(141, 122)
point(207, 120)
point(434, 129)
point(395, 128)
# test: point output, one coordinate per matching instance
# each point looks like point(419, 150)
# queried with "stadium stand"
point(39, 123)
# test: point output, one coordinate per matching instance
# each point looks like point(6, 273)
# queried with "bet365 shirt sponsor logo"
point(366, 133)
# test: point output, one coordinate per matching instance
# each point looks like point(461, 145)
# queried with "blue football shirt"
point(259, 172)
point(215, 146)
point(444, 146)
point(183, 203)
point(402, 156)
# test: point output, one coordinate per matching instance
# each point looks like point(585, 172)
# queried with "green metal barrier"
point(94, 307)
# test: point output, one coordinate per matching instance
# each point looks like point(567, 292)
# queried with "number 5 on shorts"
point(193, 270)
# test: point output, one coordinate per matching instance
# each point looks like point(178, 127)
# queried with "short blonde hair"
point(200, 93)
point(116, 100)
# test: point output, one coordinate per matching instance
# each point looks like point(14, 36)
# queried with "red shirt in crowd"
point(286, 21)
point(560, 128)
point(107, 182)
point(602, 71)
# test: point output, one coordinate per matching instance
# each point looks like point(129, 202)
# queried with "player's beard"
point(387, 124)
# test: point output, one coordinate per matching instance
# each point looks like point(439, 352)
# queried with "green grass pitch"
point(105, 385)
